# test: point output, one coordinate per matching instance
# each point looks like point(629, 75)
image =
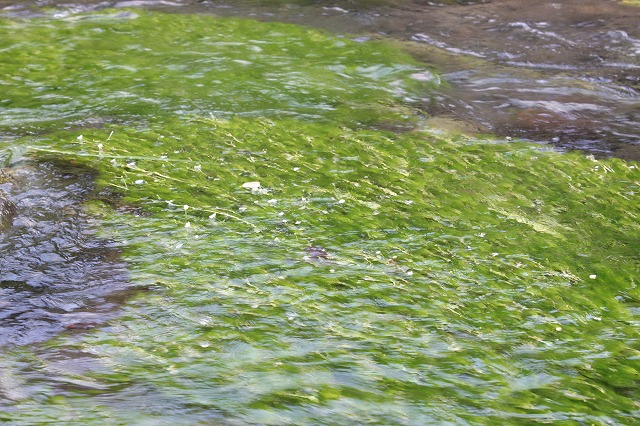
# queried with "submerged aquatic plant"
point(458, 276)
point(132, 65)
point(318, 272)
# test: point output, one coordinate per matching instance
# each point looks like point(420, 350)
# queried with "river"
point(232, 221)
point(563, 73)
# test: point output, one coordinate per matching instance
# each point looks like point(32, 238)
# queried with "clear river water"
point(274, 212)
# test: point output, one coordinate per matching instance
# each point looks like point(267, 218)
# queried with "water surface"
point(559, 73)
point(308, 252)
point(55, 274)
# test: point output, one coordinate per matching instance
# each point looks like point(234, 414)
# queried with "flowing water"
point(55, 274)
point(565, 73)
point(226, 221)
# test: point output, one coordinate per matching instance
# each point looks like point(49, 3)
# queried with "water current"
point(55, 273)
point(562, 73)
point(301, 273)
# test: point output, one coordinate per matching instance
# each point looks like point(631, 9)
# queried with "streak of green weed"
point(123, 65)
point(486, 275)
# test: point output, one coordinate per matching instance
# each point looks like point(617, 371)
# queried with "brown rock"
point(7, 211)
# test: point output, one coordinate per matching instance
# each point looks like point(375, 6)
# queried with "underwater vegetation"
point(120, 65)
point(298, 265)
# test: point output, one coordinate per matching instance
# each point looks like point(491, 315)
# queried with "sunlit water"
point(297, 273)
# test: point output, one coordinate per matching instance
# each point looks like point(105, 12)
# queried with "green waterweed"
point(460, 281)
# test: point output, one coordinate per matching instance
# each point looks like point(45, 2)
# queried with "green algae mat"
point(298, 266)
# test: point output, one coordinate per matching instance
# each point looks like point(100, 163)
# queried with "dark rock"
point(7, 211)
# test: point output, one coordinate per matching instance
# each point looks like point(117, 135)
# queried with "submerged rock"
point(7, 211)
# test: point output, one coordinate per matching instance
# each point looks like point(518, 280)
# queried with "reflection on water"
point(54, 272)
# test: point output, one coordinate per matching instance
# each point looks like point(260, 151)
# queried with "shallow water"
point(566, 74)
point(55, 273)
point(561, 73)
point(298, 265)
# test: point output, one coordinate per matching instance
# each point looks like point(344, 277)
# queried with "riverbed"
point(243, 221)
point(565, 74)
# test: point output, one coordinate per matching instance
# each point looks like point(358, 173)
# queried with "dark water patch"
point(562, 73)
point(55, 273)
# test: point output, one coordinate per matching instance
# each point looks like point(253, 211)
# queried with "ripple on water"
point(55, 274)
